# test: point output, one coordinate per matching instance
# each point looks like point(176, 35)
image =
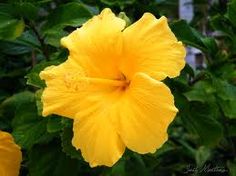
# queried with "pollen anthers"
point(74, 82)
point(79, 81)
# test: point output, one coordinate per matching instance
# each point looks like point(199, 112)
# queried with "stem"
point(41, 40)
point(33, 58)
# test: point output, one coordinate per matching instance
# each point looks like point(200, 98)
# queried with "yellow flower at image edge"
point(111, 86)
point(10, 155)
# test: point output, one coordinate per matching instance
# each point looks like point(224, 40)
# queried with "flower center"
point(125, 81)
point(77, 82)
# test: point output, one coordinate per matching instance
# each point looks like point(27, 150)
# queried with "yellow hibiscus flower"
point(111, 86)
point(10, 155)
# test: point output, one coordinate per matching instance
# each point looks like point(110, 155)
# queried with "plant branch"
point(41, 40)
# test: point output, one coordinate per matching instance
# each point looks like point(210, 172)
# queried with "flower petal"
point(145, 111)
point(152, 48)
point(62, 92)
point(97, 45)
point(10, 155)
point(96, 137)
point(68, 88)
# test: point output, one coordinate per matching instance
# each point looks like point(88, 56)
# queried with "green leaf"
point(10, 28)
point(231, 13)
point(27, 10)
point(210, 45)
point(226, 94)
point(33, 78)
point(29, 38)
point(66, 138)
point(119, 3)
point(53, 37)
point(49, 160)
point(202, 91)
point(54, 124)
point(119, 168)
point(28, 127)
point(70, 14)
point(202, 155)
point(136, 165)
point(232, 168)
point(201, 120)
point(190, 36)
point(221, 23)
point(13, 48)
point(232, 128)
point(196, 95)
point(39, 104)
point(225, 90)
point(9, 105)
point(229, 108)
point(187, 34)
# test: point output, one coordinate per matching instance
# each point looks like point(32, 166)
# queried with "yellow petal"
point(145, 112)
point(152, 48)
point(96, 137)
point(10, 156)
point(61, 94)
point(97, 45)
point(68, 87)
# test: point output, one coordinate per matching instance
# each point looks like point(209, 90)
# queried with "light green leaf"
point(10, 28)
point(196, 95)
point(202, 155)
point(229, 108)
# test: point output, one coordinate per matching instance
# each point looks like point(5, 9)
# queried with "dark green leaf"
point(119, 168)
point(54, 124)
point(120, 3)
point(27, 10)
point(70, 14)
point(197, 95)
point(28, 127)
point(187, 34)
point(66, 138)
point(232, 168)
point(231, 13)
point(201, 119)
point(49, 160)
point(33, 77)
point(14, 48)
point(190, 36)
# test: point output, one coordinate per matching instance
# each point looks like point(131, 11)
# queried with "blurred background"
point(202, 138)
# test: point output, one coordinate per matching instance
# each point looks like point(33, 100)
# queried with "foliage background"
point(202, 137)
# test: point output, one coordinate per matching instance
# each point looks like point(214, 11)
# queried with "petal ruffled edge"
point(152, 48)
